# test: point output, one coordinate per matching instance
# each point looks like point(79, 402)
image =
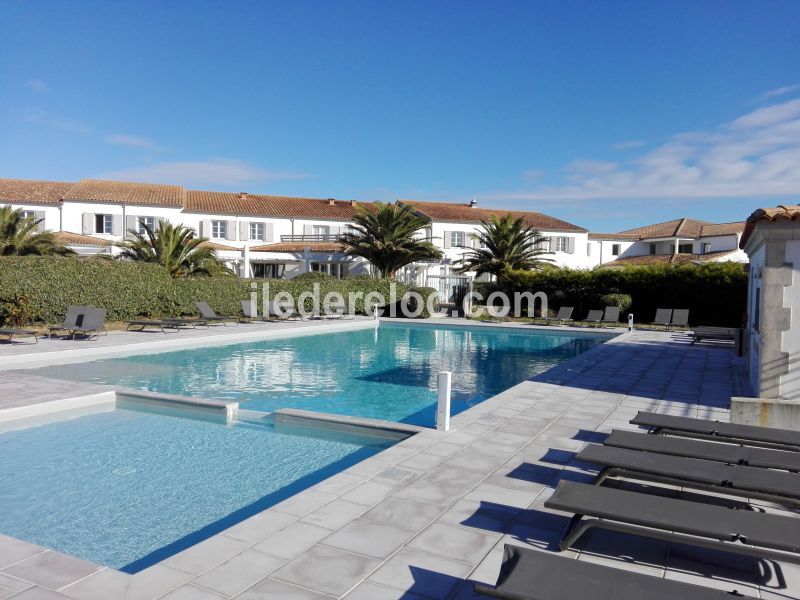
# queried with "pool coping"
point(382, 466)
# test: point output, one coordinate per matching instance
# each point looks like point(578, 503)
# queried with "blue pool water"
point(127, 488)
point(388, 373)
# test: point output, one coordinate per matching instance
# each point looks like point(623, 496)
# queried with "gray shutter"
point(131, 224)
point(268, 232)
point(38, 215)
point(205, 228)
point(116, 225)
point(158, 221)
point(570, 245)
point(308, 229)
point(230, 231)
point(548, 244)
point(244, 230)
point(476, 243)
point(448, 238)
point(88, 224)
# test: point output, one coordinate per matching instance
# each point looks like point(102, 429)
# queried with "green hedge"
point(39, 289)
point(714, 293)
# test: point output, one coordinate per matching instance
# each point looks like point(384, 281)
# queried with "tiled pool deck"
point(428, 517)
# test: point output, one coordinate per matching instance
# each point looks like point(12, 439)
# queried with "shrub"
point(41, 288)
point(621, 301)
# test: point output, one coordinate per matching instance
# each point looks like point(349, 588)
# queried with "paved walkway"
point(428, 517)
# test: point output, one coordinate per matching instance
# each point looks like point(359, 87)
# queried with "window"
point(145, 221)
point(268, 271)
point(588, 249)
point(560, 244)
point(257, 231)
point(219, 229)
point(652, 249)
point(615, 249)
point(458, 238)
point(685, 248)
point(103, 224)
point(338, 270)
point(27, 214)
point(706, 247)
point(321, 230)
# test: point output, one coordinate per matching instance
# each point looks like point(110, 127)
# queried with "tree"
point(504, 243)
point(175, 247)
point(386, 237)
point(20, 235)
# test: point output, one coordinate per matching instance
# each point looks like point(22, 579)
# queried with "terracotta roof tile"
point(782, 212)
point(220, 247)
point(76, 239)
point(270, 206)
point(32, 191)
point(688, 228)
point(722, 229)
point(144, 194)
point(622, 237)
point(299, 247)
point(450, 211)
point(670, 259)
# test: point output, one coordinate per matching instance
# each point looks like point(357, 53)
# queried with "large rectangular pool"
point(387, 373)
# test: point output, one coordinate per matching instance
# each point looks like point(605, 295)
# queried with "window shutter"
point(205, 229)
point(230, 231)
point(158, 221)
point(448, 239)
point(268, 232)
point(116, 225)
point(476, 242)
point(131, 225)
point(570, 245)
point(38, 215)
point(308, 229)
point(244, 230)
point(88, 224)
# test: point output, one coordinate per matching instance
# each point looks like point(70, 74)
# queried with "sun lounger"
point(750, 435)
point(11, 332)
point(611, 316)
point(73, 318)
point(720, 334)
point(735, 480)
point(726, 453)
point(208, 315)
point(283, 311)
point(752, 533)
point(594, 316)
point(161, 324)
point(564, 315)
point(680, 318)
point(527, 574)
point(92, 325)
point(663, 317)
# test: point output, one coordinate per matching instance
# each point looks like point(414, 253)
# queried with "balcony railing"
point(311, 237)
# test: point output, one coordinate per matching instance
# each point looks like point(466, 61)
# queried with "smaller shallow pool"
point(127, 488)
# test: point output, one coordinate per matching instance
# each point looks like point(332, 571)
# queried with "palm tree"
point(386, 238)
point(20, 235)
point(504, 243)
point(175, 247)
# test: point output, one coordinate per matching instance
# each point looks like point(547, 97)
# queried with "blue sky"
point(608, 114)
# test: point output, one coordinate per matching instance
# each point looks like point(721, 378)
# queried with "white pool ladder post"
point(445, 384)
point(630, 321)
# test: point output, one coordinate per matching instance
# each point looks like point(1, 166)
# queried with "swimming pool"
point(384, 373)
point(127, 488)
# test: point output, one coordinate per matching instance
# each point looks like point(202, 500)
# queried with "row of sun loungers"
point(729, 459)
point(665, 317)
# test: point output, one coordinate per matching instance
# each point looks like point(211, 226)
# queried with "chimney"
point(242, 195)
point(353, 202)
point(331, 201)
point(473, 203)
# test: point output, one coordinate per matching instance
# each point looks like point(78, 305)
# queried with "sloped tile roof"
point(144, 194)
point(717, 229)
point(76, 239)
point(464, 213)
point(221, 247)
point(299, 247)
point(32, 191)
point(622, 237)
point(271, 206)
point(670, 259)
point(782, 212)
point(688, 228)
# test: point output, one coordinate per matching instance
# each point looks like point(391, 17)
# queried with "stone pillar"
point(775, 320)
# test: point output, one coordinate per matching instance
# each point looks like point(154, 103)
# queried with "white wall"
point(51, 218)
point(73, 215)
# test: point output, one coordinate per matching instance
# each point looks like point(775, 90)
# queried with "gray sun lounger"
point(720, 452)
point(162, 324)
point(208, 315)
point(73, 318)
point(695, 473)
point(719, 334)
point(11, 332)
point(594, 316)
point(527, 574)
point(663, 317)
point(749, 435)
point(564, 315)
point(611, 316)
point(92, 325)
point(752, 533)
point(680, 318)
